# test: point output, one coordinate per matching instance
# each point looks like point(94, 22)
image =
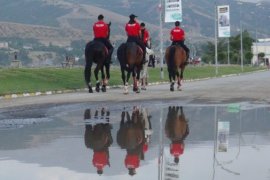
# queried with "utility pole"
point(161, 38)
point(216, 56)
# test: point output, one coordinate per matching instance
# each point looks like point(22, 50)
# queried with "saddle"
point(95, 42)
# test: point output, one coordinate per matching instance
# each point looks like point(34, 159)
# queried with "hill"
point(62, 22)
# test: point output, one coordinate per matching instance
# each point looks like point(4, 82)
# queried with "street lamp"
point(216, 56)
point(241, 35)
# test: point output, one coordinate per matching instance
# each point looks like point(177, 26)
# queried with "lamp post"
point(161, 38)
point(241, 35)
point(216, 56)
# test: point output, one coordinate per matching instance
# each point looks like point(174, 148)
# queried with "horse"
point(98, 137)
point(176, 129)
point(130, 57)
point(96, 52)
point(176, 59)
point(144, 73)
point(134, 136)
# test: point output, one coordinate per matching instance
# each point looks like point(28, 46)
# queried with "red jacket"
point(100, 160)
point(146, 36)
point(133, 29)
point(132, 161)
point(100, 29)
point(177, 149)
point(177, 34)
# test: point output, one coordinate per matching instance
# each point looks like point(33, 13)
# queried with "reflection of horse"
point(176, 129)
point(144, 72)
point(130, 56)
point(96, 52)
point(176, 61)
point(133, 135)
point(98, 137)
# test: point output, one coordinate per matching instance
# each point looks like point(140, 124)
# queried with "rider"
point(144, 35)
point(178, 37)
point(133, 32)
point(101, 33)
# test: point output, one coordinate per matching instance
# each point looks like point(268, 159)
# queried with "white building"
point(262, 46)
point(3, 45)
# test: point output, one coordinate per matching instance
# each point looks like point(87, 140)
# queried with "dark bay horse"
point(98, 137)
point(96, 52)
point(130, 56)
point(176, 59)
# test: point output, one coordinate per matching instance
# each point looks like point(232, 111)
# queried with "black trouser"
point(108, 44)
point(139, 42)
point(181, 43)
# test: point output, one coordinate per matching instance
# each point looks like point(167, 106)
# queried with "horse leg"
point(172, 79)
point(138, 73)
point(135, 86)
point(178, 81)
point(96, 76)
point(87, 76)
point(103, 88)
point(107, 70)
point(124, 80)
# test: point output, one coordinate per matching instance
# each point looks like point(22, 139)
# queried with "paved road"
point(251, 87)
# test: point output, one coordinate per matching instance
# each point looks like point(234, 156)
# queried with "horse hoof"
point(138, 91)
point(143, 88)
point(97, 89)
point(171, 89)
point(103, 89)
point(90, 90)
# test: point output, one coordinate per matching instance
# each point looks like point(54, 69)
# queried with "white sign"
point(173, 10)
point(223, 136)
point(223, 21)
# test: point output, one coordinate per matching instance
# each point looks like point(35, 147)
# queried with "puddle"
point(151, 140)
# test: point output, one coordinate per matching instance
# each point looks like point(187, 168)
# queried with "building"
point(3, 45)
point(262, 46)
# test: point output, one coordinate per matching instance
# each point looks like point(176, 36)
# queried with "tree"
point(235, 55)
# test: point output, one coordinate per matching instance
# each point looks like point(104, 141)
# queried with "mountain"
point(56, 20)
point(61, 22)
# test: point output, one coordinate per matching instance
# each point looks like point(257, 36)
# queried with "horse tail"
point(171, 57)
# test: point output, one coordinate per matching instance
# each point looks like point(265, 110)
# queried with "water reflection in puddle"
point(163, 141)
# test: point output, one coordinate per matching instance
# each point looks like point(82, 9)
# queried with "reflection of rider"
point(101, 33)
point(178, 37)
point(98, 137)
point(133, 32)
point(176, 130)
point(145, 37)
point(131, 136)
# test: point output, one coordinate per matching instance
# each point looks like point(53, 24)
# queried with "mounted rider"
point(178, 37)
point(101, 34)
point(145, 36)
point(133, 31)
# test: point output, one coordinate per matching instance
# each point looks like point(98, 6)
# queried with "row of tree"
point(234, 50)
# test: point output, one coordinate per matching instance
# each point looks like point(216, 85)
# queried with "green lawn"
point(24, 80)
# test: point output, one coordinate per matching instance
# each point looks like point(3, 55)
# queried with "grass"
point(25, 80)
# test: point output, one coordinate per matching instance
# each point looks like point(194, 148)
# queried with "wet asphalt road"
point(250, 87)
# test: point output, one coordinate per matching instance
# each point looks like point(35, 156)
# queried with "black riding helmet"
point(100, 17)
point(142, 24)
point(177, 23)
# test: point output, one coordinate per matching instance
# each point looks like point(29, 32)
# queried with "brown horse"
point(98, 137)
point(96, 52)
point(130, 56)
point(176, 129)
point(176, 59)
point(132, 137)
